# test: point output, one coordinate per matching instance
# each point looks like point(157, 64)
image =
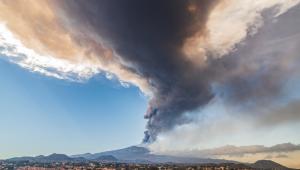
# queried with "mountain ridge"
point(137, 154)
point(268, 164)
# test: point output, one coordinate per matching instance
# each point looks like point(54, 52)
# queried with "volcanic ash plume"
point(179, 53)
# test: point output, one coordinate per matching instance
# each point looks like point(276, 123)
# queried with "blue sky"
point(66, 117)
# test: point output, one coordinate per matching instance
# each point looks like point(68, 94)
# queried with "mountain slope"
point(142, 154)
point(106, 158)
point(268, 164)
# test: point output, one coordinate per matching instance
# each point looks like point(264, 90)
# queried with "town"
point(27, 165)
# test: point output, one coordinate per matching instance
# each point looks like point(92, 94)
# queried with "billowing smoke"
point(181, 53)
point(159, 41)
point(148, 36)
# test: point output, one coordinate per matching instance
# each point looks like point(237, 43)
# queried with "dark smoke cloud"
point(148, 37)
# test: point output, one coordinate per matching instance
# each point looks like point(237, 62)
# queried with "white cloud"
point(47, 65)
point(78, 69)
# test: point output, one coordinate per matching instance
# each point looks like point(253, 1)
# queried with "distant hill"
point(50, 158)
point(106, 158)
point(56, 157)
point(268, 165)
point(24, 158)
